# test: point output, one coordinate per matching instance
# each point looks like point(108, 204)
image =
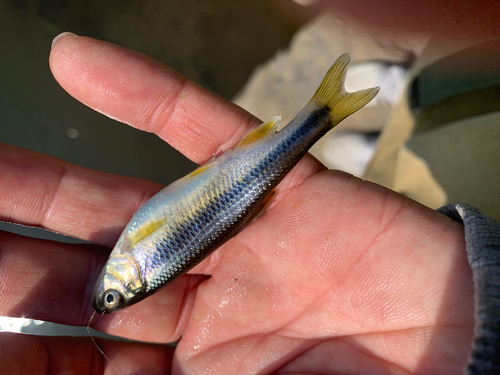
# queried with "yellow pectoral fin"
point(145, 230)
point(264, 129)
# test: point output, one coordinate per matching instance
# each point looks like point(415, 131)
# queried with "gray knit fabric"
point(482, 238)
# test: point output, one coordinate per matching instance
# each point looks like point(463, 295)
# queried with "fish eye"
point(111, 299)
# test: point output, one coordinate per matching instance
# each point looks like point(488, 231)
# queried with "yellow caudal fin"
point(332, 95)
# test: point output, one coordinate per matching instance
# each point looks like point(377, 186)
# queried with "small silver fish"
point(185, 222)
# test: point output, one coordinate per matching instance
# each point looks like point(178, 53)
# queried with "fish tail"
point(331, 94)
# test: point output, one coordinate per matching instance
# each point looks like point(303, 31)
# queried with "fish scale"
point(184, 223)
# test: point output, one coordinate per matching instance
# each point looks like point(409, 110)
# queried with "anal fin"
point(263, 205)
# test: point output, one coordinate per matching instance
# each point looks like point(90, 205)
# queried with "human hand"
point(338, 276)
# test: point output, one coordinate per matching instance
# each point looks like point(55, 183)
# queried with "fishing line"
point(97, 346)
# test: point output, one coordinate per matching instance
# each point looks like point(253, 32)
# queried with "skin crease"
point(339, 276)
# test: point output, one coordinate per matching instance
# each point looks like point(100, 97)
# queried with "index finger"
point(142, 92)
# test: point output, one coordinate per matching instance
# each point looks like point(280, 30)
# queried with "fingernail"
point(66, 33)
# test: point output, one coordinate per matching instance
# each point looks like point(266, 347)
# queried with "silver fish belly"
point(188, 220)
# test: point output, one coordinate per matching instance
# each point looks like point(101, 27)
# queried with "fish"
point(192, 217)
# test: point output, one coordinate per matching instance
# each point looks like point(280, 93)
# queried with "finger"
point(42, 355)
point(52, 281)
point(146, 94)
point(47, 192)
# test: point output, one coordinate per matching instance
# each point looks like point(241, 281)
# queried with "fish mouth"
point(107, 284)
point(98, 293)
point(98, 305)
point(99, 309)
point(119, 285)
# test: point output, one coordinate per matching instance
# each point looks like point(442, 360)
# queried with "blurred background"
point(267, 56)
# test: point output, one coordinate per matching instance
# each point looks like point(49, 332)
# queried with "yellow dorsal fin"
point(145, 230)
point(264, 129)
point(200, 169)
point(332, 95)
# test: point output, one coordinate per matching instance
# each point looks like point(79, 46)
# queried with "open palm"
point(339, 276)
